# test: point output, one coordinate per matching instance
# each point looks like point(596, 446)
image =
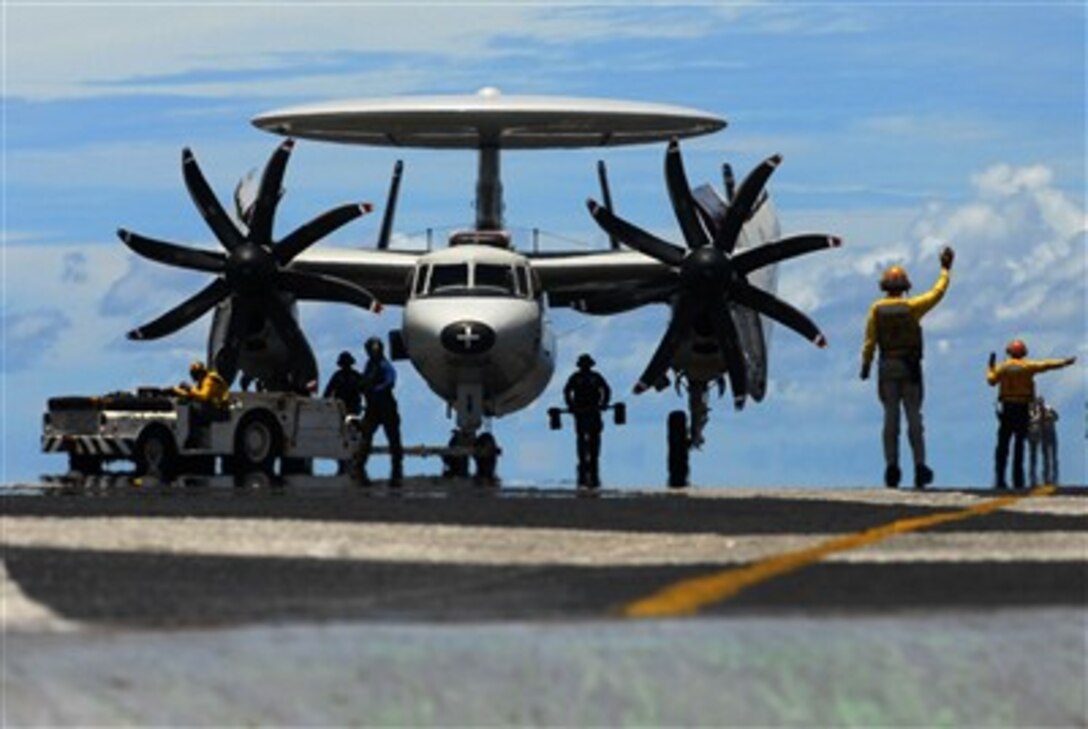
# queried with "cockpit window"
point(421, 280)
point(448, 276)
point(523, 281)
point(487, 279)
point(494, 277)
point(538, 288)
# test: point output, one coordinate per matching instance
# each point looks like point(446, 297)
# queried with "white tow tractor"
point(152, 428)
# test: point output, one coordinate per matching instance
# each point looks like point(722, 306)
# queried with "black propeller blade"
point(184, 313)
point(201, 192)
point(302, 356)
point(742, 204)
point(636, 237)
point(765, 255)
point(321, 287)
point(313, 231)
point(679, 325)
point(780, 311)
point(729, 343)
point(174, 255)
point(710, 275)
point(268, 194)
point(680, 196)
point(253, 273)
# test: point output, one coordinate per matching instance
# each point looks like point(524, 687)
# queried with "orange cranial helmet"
point(1017, 349)
point(895, 280)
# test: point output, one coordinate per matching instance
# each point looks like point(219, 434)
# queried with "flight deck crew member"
point(1015, 378)
point(1042, 435)
point(346, 384)
point(209, 396)
point(894, 326)
point(587, 394)
point(377, 381)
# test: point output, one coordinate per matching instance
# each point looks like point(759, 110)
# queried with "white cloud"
point(794, 19)
point(89, 50)
point(1003, 180)
point(55, 51)
point(941, 126)
point(101, 292)
point(29, 335)
point(977, 221)
point(78, 49)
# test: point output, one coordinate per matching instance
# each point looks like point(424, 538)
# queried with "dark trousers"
point(202, 415)
point(1013, 427)
point(587, 431)
point(389, 419)
point(1048, 444)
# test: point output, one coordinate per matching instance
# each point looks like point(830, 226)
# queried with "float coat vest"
point(898, 332)
point(1016, 377)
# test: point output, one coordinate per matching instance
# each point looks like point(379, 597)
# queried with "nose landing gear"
point(482, 449)
point(486, 456)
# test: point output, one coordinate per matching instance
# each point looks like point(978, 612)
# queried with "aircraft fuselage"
point(476, 329)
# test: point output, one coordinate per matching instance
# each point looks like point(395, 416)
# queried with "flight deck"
point(979, 589)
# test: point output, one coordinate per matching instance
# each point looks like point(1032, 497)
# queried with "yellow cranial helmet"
point(1017, 349)
point(895, 279)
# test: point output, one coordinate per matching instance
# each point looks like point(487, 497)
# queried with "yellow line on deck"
point(689, 596)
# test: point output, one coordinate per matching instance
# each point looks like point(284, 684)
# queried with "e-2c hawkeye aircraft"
point(475, 314)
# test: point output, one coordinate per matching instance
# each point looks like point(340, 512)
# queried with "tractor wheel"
point(156, 454)
point(258, 442)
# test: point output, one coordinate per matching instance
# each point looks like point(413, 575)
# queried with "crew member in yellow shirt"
point(894, 326)
point(209, 396)
point(1015, 378)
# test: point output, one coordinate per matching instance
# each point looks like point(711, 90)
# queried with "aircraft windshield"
point(449, 276)
point(488, 279)
point(498, 279)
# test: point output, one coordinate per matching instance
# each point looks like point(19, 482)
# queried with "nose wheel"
point(483, 450)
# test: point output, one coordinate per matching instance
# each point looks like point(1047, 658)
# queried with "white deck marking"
point(22, 614)
point(498, 546)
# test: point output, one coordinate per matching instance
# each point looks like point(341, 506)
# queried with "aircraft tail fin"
point(390, 206)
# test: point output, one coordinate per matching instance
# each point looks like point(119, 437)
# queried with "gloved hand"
point(1070, 360)
point(865, 371)
point(993, 360)
point(947, 256)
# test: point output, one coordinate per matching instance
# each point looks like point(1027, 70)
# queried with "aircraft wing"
point(603, 282)
point(384, 273)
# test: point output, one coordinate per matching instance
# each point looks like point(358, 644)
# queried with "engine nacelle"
point(263, 357)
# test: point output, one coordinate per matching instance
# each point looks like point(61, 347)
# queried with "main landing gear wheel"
point(456, 466)
point(487, 456)
point(678, 449)
point(258, 442)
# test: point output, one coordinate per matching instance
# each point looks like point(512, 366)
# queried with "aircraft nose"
point(467, 337)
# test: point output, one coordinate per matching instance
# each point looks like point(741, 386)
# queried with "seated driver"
point(208, 397)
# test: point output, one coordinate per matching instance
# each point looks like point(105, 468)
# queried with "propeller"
point(711, 276)
point(253, 271)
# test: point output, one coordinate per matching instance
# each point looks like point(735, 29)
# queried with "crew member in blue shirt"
point(378, 380)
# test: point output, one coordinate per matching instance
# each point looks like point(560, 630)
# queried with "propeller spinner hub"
point(250, 267)
point(707, 271)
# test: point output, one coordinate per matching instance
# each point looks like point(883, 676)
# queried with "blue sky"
point(903, 126)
